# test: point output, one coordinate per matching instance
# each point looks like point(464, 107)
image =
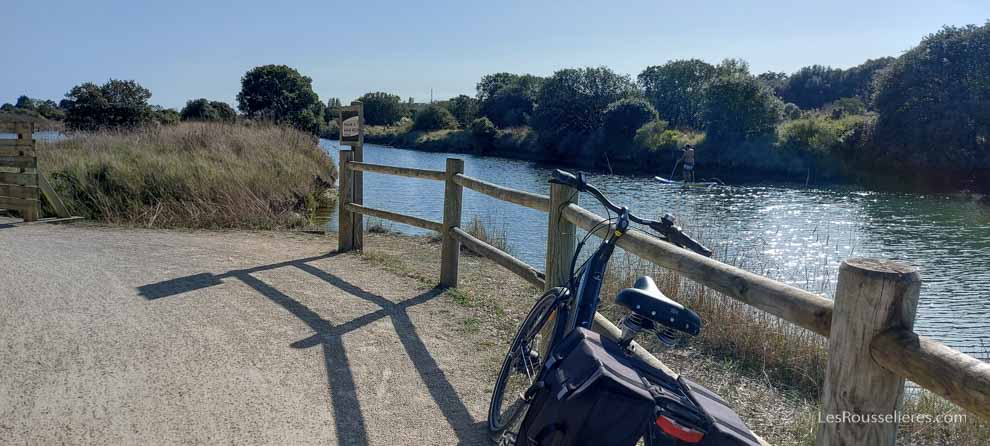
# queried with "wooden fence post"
point(451, 248)
point(357, 181)
point(561, 236)
point(871, 296)
point(345, 219)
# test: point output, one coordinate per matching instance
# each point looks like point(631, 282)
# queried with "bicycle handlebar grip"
point(684, 240)
point(566, 178)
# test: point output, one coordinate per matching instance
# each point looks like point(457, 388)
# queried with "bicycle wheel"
point(522, 363)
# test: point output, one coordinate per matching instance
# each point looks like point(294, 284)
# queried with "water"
point(791, 233)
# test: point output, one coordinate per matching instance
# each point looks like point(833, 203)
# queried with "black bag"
point(593, 393)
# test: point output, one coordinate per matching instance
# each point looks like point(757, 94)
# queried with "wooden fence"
point(21, 183)
point(872, 348)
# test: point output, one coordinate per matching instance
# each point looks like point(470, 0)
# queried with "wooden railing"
point(872, 348)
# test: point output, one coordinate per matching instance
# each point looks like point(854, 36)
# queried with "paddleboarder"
point(688, 159)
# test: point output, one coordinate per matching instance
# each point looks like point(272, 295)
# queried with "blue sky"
point(189, 49)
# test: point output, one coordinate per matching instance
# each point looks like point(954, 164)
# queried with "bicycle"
point(561, 311)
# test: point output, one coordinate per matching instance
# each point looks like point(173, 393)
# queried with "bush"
point(115, 104)
point(483, 129)
point(165, 116)
point(382, 108)
point(280, 94)
point(624, 117)
point(675, 90)
point(819, 135)
point(204, 110)
point(192, 175)
point(464, 108)
point(934, 101)
point(572, 104)
point(792, 111)
point(738, 108)
point(507, 99)
point(434, 117)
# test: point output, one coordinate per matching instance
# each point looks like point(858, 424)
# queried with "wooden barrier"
point(22, 185)
point(872, 348)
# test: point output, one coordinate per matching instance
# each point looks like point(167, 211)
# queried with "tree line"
point(929, 107)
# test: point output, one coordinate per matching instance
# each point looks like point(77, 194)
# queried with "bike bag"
point(593, 393)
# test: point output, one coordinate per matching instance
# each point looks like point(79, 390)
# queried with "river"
point(795, 234)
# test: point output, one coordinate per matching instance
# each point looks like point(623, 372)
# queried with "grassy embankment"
point(769, 369)
point(192, 175)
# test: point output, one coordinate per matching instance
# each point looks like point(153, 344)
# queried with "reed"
point(192, 175)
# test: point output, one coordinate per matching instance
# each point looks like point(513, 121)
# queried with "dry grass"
point(192, 175)
point(487, 231)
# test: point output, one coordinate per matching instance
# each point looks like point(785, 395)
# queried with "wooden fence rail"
point(872, 348)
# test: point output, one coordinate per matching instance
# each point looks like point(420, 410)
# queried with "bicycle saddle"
point(646, 300)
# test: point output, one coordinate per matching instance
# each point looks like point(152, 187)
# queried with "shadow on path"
point(349, 421)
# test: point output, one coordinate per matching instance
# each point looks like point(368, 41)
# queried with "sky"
point(183, 50)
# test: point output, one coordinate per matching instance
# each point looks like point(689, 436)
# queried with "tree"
point(775, 80)
point(625, 116)
point(165, 116)
point(934, 101)
point(508, 99)
point(572, 103)
point(279, 93)
point(382, 108)
point(434, 117)
point(204, 110)
point(814, 86)
point(483, 130)
point(675, 90)
point(25, 103)
point(858, 81)
point(738, 108)
point(50, 110)
point(464, 108)
point(115, 104)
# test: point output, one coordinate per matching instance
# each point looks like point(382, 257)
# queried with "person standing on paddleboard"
point(688, 159)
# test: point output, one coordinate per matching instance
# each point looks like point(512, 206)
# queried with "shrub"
point(572, 104)
point(508, 99)
point(738, 108)
point(792, 111)
point(624, 117)
point(382, 108)
point(934, 100)
point(483, 129)
point(675, 90)
point(434, 117)
point(204, 110)
point(165, 116)
point(464, 108)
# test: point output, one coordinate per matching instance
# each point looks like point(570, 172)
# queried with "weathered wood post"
point(451, 247)
point(357, 179)
point(860, 397)
point(561, 236)
point(345, 218)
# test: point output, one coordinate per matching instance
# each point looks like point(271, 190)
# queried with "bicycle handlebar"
point(666, 227)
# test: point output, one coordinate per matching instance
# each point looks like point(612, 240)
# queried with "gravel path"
point(125, 336)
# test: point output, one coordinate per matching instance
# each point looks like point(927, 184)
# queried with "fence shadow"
point(350, 423)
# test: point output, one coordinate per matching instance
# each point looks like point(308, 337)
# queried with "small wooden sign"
point(351, 124)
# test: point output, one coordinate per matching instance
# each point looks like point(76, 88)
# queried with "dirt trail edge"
point(126, 336)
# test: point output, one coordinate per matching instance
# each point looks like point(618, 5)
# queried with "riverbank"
point(792, 157)
point(192, 175)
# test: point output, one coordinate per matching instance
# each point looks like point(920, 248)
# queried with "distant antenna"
point(431, 95)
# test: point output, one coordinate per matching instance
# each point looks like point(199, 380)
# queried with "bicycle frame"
point(589, 284)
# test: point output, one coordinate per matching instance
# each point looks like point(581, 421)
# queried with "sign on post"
point(351, 125)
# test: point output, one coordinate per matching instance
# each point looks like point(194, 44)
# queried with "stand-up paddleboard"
point(681, 183)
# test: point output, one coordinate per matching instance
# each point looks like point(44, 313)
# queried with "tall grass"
point(192, 175)
point(487, 231)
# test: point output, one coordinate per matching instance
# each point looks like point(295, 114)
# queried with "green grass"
point(192, 175)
